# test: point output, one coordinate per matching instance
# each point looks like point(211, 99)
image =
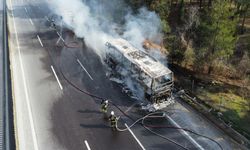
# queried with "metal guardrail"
point(8, 141)
point(236, 136)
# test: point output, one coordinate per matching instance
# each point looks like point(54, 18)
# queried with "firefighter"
point(104, 107)
point(113, 120)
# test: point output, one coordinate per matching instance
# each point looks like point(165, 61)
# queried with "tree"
point(181, 11)
point(176, 49)
point(216, 34)
point(209, 3)
point(243, 8)
point(200, 3)
point(165, 26)
point(162, 7)
point(244, 66)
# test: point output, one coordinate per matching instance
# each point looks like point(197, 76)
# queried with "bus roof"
point(148, 64)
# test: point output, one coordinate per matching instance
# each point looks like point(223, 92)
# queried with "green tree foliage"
point(162, 7)
point(135, 4)
point(243, 8)
point(216, 34)
point(176, 49)
point(165, 26)
point(181, 11)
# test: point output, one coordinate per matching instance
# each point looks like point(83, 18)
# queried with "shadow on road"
point(89, 111)
point(102, 126)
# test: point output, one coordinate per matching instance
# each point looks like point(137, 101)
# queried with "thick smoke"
point(77, 17)
point(98, 21)
point(144, 25)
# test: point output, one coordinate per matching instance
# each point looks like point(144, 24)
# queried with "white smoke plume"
point(144, 25)
point(77, 17)
point(98, 21)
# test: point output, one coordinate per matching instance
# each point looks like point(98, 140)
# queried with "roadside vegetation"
point(208, 47)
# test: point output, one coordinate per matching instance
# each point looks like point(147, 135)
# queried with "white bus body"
point(155, 78)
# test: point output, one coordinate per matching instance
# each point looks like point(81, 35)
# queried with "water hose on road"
point(135, 122)
point(125, 129)
point(146, 126)
point(160, 135)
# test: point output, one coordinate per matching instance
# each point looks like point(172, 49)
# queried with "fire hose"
point(160, 135)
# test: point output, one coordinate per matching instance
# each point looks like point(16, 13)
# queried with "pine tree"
point(244, 6)
point(216, 34)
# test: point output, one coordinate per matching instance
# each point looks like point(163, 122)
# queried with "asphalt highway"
point(51, 69)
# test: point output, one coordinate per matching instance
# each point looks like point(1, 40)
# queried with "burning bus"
point(155, 79)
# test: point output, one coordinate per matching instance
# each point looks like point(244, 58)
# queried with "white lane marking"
point(31, 22)
point(135, 137)
point(58, 41)
point(26, 10)
point(60, 36)
point(38, 37)
point(34, 136)
point(130, 107)
point(84, 69)
point(87, 144)
point(185, 133)
point(47, 18)
point(56, 78)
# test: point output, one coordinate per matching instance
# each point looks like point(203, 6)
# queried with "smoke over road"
point(100, 20)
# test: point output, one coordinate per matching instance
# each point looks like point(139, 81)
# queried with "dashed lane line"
point(142, 147)
point(130, 107)
point(26, 10)
point(47, 18)
point(60, 37)
point(38, 37)
point(84, 69)
point(186, 134)
point(31, 22)
point(87, 144)
point(57, 79)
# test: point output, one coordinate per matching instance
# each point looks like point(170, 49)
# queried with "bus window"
point(163, 80)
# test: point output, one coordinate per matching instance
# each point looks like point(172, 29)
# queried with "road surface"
point(50, 69)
